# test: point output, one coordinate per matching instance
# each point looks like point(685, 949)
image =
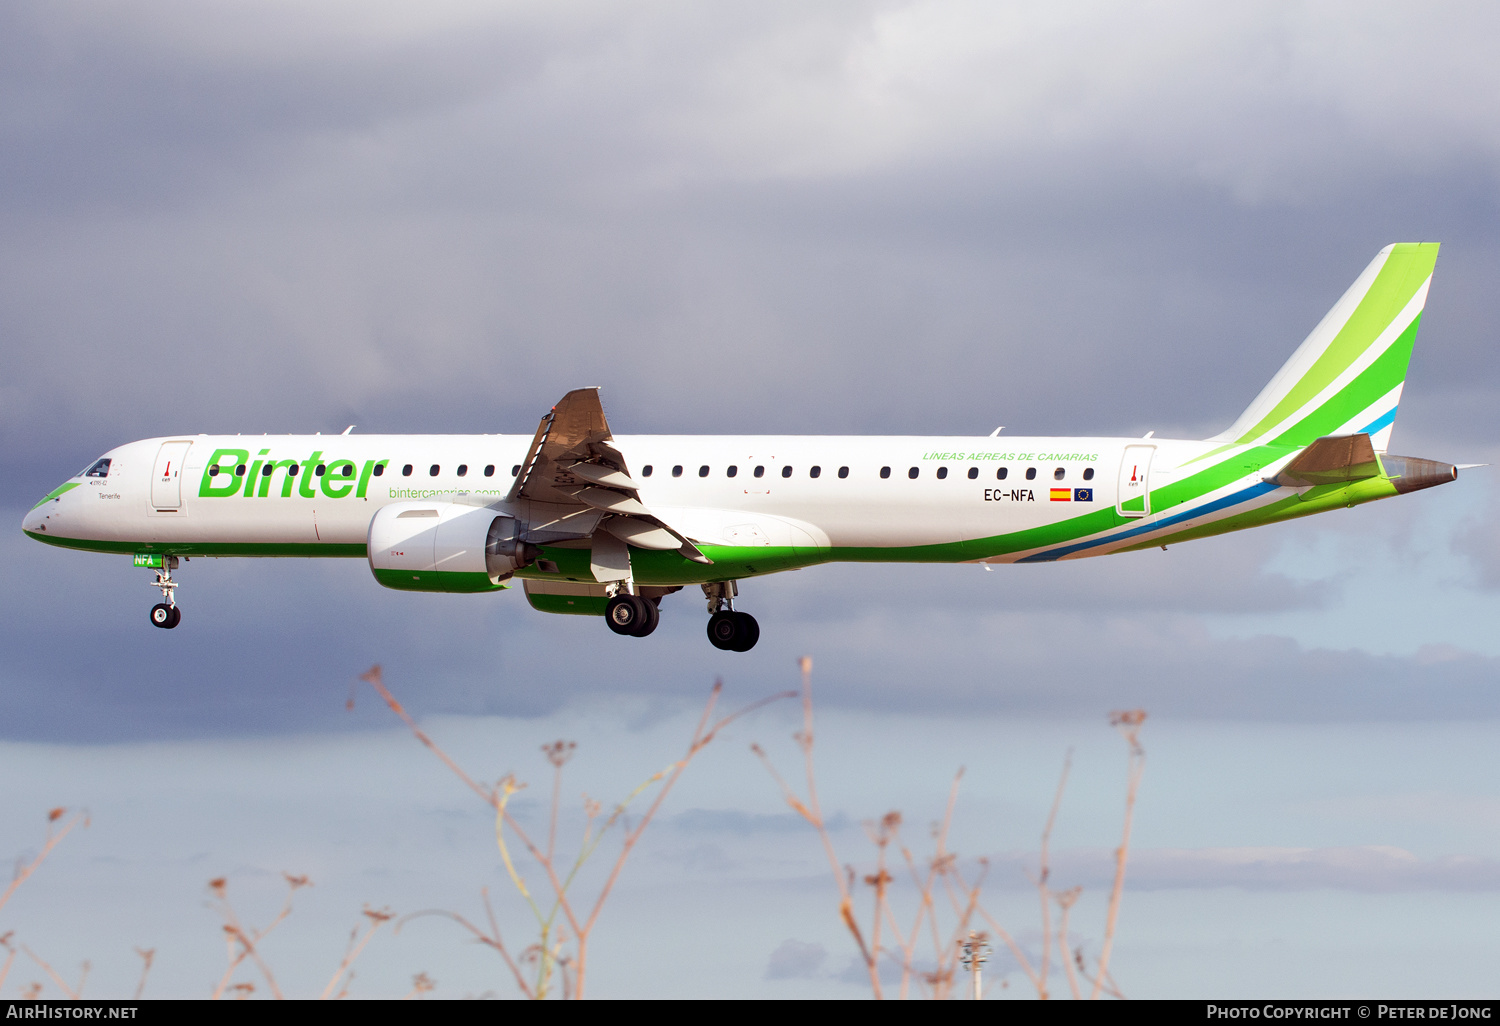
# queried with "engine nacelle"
point(445, 546)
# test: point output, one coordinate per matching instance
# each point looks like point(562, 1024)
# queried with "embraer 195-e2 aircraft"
point(605, 525)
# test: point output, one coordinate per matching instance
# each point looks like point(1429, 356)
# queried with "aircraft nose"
point(35, 521)
point(32, 522)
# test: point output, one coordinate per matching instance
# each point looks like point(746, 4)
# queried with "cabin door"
point(166, 479)
point(1133, 497)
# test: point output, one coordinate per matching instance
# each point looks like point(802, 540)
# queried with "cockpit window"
point(100, 469)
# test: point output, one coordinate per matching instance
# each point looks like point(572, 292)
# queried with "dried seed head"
point(56, 814)
point(295, 882)
point(219, 885)
point(559, 752)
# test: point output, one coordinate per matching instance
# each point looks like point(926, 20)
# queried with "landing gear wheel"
point(626, 614)
point(164, 616)
point(733, 632)
point(653, 617)
point(176, 617)
point(749, 632)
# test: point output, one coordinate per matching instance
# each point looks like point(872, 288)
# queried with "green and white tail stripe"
point(1347, 375)
point(1345, 378)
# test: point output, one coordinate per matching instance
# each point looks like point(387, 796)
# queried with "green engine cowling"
point(445, 546)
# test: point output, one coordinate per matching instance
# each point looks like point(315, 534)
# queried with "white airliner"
point(599, 524)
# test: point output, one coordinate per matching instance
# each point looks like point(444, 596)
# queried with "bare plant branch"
point(421, 986)
point(71, 993)
point(375, 679)
point(1044, 873)
point(376, 918)
point(550, 955)
point(248, 941)
point(1065, 901)
point(53, 839)
point(1129, 725)
point(10, 955)
point(148, 955)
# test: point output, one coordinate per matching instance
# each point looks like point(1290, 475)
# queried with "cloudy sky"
point(1069, 218)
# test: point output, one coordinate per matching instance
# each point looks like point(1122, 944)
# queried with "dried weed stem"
point(549, 955)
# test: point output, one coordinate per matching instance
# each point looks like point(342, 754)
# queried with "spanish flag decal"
point(1062, 495)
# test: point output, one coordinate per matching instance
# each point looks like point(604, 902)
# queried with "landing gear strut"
point(729, 629)
point(165, 613)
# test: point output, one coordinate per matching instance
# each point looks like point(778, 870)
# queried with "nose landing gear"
point(165, 614)
point(729, 629)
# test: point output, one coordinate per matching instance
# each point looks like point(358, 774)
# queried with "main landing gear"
point(728, 629)
point(634, 615)
point(165, 614)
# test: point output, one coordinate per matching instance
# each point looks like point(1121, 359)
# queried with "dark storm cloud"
point(923, 218)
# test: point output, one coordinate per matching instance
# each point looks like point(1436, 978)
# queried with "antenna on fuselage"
point(347, 430)
point(997, 430)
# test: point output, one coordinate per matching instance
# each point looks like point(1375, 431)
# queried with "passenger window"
point(973, 473)
point(405, 471)
point(1088, 473)
point(432, 471)
point(348, 470)
point(885, 472)
point(267, 471)
point(239, 471)
point(815, 472)
point(786, 471)
point(677, 470)
point(1002, 473)
point(733, 470)
point(515, 471)
point(1031, 473)
point(320, 470)
point(942, 473)
point(703, 470)
point(760, 471)
point(379, 469)
point(292, 470)
point(913, 472)
point(843, 472)
point(99, 469)
point(489, 470)
point(646, 470)
point(463, 468)
point(1057, 475)
point(213, 471)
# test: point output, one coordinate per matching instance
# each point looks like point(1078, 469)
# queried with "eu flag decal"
point(1083, 495)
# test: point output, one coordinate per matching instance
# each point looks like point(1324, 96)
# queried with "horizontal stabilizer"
point(1332, 460)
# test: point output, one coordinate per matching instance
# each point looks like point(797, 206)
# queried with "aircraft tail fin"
point(1346, 377)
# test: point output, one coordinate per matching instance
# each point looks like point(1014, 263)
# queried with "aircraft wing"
point(574, 473)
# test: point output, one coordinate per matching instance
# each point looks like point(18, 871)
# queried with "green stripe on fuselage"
point(54, 493)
